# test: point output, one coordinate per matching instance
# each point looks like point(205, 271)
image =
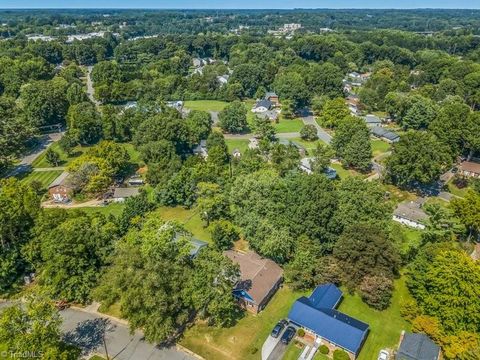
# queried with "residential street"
point(88, 330)
point(309, 119)
point(26, 162)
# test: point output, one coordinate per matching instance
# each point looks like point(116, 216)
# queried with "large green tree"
point(233, 118)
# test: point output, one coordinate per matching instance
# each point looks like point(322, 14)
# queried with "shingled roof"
point(418, 347)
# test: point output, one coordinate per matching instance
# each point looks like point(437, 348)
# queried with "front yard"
point(245, 339)
point(45, 178)
point(205, 105)
point(287, 125)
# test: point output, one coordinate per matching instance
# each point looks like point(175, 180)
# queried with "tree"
point(210, 288)
point(309, 133)
point(71, 255)
point(321, 158)
point(224, 234)
point(84, 118)
point(199, 124)
point(445, 283)
point(162, 160)
point(340, 355)
point(133, 212)
point(291, 85)
point(360, 201)
point(52, 157)
point(68, 141)
point(418, 158)
point(365, 250)
point(284, 158)
point(351, 143)
point(376, 291)
point(34, 329)
point(467, 209)
point(263, 129)
point(420, 114)
point(233, 118)
point(20, 207)
point(333, 112)
point(212, 203)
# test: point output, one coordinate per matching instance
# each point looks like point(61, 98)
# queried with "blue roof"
point(317, 314)
point(325, 296)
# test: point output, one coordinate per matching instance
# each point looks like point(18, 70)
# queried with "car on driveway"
point(288, 335)
point(277, 330)
point(383, 355)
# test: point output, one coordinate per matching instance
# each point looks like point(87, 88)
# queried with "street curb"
point(189, 352)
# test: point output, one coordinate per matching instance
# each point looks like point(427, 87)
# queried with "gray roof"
point(121, 193)
point(410, 210)
point(270, 94)
point(372, 119)
point(197, 245)
point(265, 103)
point(417, 347)
point(383, 133)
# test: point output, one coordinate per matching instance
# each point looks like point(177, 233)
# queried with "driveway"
point(273, 348)
point(309, 119)
point(88, 330)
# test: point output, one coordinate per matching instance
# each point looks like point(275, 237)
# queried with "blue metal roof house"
point(317, 315)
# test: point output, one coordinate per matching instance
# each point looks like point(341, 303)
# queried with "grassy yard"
point(41, 161)
point(455, 190)
point(205, 105)
point(245, 339)
point(385, 326)
point(344, 173)
point(43, 177)
point(379, 147)
point(189, 218)
point(293, 351)
point(308, 145)
point(240, 144)
point(287, 125)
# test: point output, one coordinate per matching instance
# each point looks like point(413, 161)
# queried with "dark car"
point(288, 335)
point(277, 330)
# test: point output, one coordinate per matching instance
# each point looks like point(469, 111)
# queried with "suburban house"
point(259, 279)
point(410, 213)
point(353, 103)
point(306, 165)
point(273, 97)
point(59, 190)
point(121, 194)
point(384, 134)
point(470, 169)
point(417, 347)
point(201, 149)
point(262, 106)
point(372, 120)
point(271, 115)
point(318, 316)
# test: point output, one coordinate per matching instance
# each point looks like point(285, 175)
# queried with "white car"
point(383, 355)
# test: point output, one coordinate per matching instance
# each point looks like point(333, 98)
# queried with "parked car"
point(277, 330)
point(288, 335)
point(383, 355)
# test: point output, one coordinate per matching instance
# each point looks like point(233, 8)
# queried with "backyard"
point(379, 147)
point(65, 159)
point(205, 105)
point(287, 125)
point(45, 178)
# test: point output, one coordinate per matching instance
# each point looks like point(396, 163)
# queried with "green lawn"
point(293, 351)
point(245, 339)
point(96, 357)
point(41, 161)
point(133, 152)
point(344, 173)
point(379, 147)
point(205, 105)
point(308, 145)
point(385, 326)
point(110, 209)
point(455, 190)
point(240, 144)
point(43, 177)
point(288, 125)
point(189, 218)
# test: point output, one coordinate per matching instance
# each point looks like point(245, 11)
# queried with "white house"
point(410, 213)
point(262, 106)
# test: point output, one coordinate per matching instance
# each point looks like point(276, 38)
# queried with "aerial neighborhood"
point(226, 184)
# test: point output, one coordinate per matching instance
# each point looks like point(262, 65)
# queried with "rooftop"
point(387, 134)
point(410, 210)
point(417, 347)
point(258, 275)
point(125, 192)
point(264, 103)
point(470, 166)
point(317, 313)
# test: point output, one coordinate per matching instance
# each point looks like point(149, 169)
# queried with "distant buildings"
point(259, 280)
point(286, 29)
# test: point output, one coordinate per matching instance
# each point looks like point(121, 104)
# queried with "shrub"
point(253, 350)
point(376, 291)
point(324, 349)
point(309, 133)
point(340, 355)
point(301, 332)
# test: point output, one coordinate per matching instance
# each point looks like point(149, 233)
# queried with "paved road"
point(90, 89)
point(309, 119)
point(25, 164)
point(88, 331)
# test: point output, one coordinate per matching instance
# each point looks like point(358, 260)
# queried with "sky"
point(242, 4)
